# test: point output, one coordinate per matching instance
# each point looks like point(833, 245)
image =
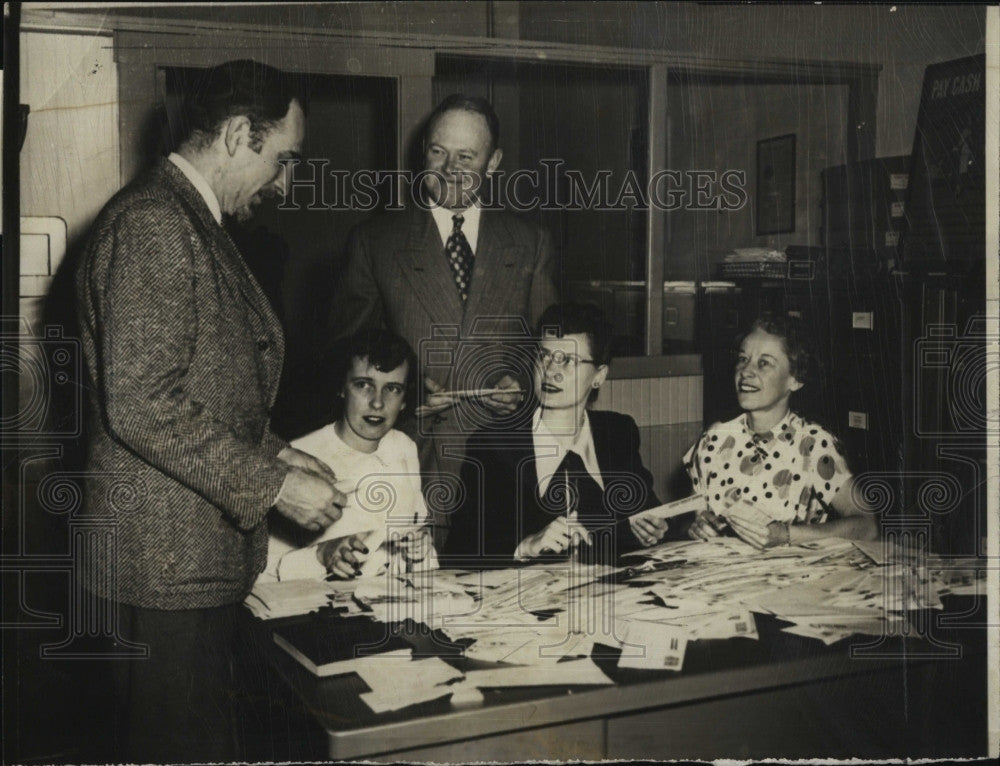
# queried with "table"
point(781, 695)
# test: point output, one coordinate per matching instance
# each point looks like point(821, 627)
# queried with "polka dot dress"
point(791, 473)
point(460, 257)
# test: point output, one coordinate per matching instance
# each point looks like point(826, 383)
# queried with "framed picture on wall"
point(776, 185)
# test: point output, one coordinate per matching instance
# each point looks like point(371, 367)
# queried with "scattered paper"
point(386, 673)
point(269, 600)
point(651, 646)
point(404, 696)
point(569, 673)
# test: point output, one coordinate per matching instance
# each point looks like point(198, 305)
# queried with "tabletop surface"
point(712, 668)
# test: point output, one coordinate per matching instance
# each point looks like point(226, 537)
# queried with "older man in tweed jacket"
point(184, 355)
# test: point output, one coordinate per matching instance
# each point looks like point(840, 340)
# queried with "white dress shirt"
point(384, 485)
point(550, 449)
point(470, 228)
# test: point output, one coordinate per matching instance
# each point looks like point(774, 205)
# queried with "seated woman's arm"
point(853, 522)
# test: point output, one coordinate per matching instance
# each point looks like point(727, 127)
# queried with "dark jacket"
point(397, 277)
point(502, 504)
point(183, 358)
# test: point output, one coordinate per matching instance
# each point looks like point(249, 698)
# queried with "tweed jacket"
point(502, 504)
point(183, 356)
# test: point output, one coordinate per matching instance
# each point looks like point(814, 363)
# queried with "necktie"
point(459, 257)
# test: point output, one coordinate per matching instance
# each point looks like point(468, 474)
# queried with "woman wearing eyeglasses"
point(567, 479)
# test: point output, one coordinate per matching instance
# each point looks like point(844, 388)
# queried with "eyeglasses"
point(559, 358)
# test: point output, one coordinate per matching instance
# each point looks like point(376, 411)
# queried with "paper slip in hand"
point(676, 508)
point(746, 511)
point(651, 646)
point(475, 392)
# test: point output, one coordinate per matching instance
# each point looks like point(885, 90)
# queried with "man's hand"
point(300, 459)
point(504, 404)
point(310, 500)
point(706, 525)
point(649, 530)
point(435, 402)
point(343, 558)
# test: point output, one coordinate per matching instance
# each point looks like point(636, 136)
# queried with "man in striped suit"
point(184, 355)
point(462, 284)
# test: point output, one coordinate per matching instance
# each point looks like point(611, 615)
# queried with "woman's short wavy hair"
point(796, 340)
point(384, 350)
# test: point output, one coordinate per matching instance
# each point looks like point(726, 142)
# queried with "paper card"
point(571, 672)
point(676, 508)
point(651, 646)
point(541, 645)
point(748, 512)
point(729, 624)
point(383, 702)
point(388, 673)
point(284, 599)
point(465, 694)
point(836, 627)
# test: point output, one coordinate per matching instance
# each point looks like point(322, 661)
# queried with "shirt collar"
point(198, 181)
point(765, 438)
point(470, 227)
point(550, 450)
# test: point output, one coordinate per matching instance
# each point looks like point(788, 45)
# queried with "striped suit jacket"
point(183, 357)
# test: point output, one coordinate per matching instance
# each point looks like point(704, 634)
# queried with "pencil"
point(479, 392)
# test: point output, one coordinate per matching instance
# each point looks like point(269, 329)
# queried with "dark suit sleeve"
point(543, 289)
point(150, 321)
point(634, 466)
point(484, 529)
point(357, 301)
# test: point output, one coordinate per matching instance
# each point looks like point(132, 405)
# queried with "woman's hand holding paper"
point(647, 528)
point(756, 527)
point(558, 537)
point(706, 525)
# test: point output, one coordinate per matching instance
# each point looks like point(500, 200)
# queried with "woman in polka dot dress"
point(790, 470)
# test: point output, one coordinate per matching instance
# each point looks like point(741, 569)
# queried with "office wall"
point(475, 18)
point(902, 38)
point(69, 161)
point(716, 127)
